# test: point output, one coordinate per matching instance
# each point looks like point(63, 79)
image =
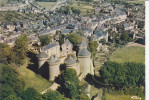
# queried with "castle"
point(55, 57)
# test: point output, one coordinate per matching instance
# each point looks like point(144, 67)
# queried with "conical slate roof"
point(70, 60)
point(52, 60)
point(83, 44)
point(84, 52)
point(42, 55)
point(68, 42)
point(57, 58)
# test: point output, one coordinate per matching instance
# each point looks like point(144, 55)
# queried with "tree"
point(125, 37)
point(61, 39)
point(92, 47)
point(75, 40)
point(45, 40)
point(68, 10)
point(6, 54)
point(69, 83)
point(31, 94)
point(12, 97)
point(82, 96)
point(11, 84)
point(53, 95)
point(76, 11)
point(113, 73)
point(103, 41)
point(135, 74)
point(128, 74)
point(20, 49)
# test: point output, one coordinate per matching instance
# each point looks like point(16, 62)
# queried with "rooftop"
point(50, 46)
point(42, 55)
point(84, 52)
point(70, 60)
point(52, 59)
point(83, 44)
point(67, 42)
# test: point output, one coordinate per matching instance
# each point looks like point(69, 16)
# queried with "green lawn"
point(33, 80)
point(119, 97)
point(129, 54)
point(47, 5)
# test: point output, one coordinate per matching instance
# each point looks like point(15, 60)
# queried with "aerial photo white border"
point(147, 48)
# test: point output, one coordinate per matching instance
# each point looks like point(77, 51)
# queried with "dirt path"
point(54, 86)
point(134, 44)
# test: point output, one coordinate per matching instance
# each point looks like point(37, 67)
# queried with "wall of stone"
point(84, 65)
point(41, 61)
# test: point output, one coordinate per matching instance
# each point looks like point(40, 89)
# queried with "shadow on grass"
point(91, 80)
point(33, 66)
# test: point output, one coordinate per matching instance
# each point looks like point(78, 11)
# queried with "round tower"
point(85, 61)
point(72, 63)
point(54, 70)
point(42, 58)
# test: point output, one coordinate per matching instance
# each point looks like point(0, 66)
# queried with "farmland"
point(129, 54)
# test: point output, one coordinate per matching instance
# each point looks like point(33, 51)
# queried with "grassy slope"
point(129, 54)
point(120, 97)
point(33, 80)
point(47, 5)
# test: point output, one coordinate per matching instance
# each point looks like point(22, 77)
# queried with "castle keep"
point(52, 55)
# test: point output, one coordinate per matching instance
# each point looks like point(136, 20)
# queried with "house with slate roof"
point(99, 34)
point(52, 49)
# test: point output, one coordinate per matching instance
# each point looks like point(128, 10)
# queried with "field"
point(137, 1)
point(129, 54)
point(83, 6)
point(47, 5)
point(33, 80)
point(119, 97)
point(3, 2)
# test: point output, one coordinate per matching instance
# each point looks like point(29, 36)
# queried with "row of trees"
point(16, 54)
point(127, 74)
point(121, 39)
